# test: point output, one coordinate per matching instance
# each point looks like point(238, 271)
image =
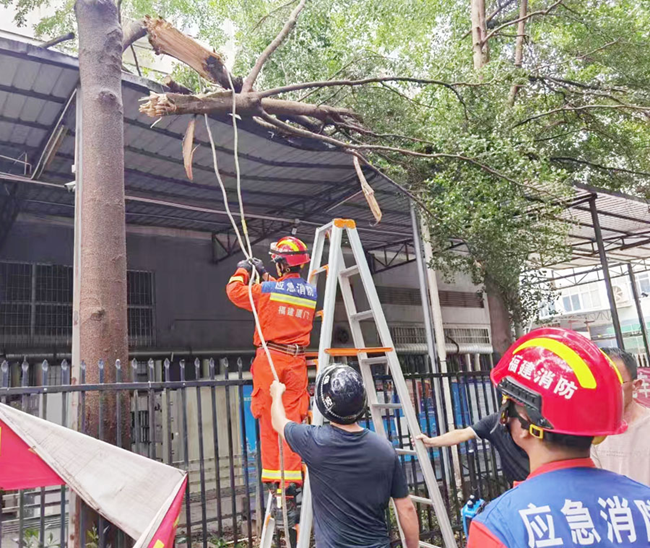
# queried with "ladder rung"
point(360, 316)
point(319, 314)
point(324, 268)
point(406, 452)
point(387, 405)
point(356, 351)
point(427, 545)
point(379, 360)
point(350, 271)
point(421, 500)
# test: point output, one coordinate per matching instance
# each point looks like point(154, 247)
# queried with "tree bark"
point(133, 31)
point(500, 323)
point(479, 33)
point(519, 47)
point(103, 333)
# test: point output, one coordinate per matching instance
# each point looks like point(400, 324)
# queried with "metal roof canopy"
point(624, 225)
point(286, 182)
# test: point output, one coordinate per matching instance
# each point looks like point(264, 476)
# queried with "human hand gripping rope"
point(255, 274)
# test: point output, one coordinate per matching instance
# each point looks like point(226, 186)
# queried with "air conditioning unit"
point(620, 295)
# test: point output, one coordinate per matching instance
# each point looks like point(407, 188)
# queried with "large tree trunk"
point(102, 291)
point(500, 323)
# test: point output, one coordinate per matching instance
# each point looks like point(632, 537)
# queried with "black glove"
point(259, 266)
point(248, 265)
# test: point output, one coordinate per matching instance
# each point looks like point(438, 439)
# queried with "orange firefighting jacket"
point(286, 306)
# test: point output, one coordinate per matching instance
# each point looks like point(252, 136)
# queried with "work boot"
point(293, 496)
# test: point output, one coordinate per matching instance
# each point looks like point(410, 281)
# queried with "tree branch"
point(132, 31)
point(577, 109)
point(516, 21)
point(359, 147)
point(249, 82)
point(362, 82)
point(269, 14)
point(248, 104)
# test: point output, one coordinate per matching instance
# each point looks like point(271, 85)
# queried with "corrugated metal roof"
point(281, 178)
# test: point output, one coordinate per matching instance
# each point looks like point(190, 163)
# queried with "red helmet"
point(565, 382)
point(290, 250)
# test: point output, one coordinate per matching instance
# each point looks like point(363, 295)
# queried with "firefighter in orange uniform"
point(286, 308)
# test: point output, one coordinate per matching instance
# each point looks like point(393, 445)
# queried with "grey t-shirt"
point(352, 475)
point(514, 459)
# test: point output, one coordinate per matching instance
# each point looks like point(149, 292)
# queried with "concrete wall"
point(191, 306)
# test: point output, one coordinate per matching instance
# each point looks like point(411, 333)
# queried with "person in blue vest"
point(561, 394)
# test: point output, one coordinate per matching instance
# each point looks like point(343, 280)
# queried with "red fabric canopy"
point(20, 467)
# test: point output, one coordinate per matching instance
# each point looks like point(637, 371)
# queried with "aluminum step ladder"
point(339, 275)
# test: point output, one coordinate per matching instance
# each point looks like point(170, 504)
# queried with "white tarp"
point(131, 491)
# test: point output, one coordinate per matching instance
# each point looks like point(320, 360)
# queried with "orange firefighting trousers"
point(292, 372)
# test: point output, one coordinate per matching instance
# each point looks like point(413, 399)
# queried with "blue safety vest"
point(577, 506)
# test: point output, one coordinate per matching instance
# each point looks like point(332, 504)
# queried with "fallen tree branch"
point(165, 39)
point(176, 87)
point(577, 109)
point(516, 21)
point(373, 148)
point(132, 31)
point(249, 82)
point(248, 104)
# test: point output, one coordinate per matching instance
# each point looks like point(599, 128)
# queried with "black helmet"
point(340, 394)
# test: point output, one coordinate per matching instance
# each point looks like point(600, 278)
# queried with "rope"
point(248, 253)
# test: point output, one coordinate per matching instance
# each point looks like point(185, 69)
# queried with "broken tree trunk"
point(166, 39)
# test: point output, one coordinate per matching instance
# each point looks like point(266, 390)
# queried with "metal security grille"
point(409, 296)
point(399, 295)
point(461, 299)
point(15, 301)
point(410, 334)
point(141, 308)
point(36, 306)
point(471, 335)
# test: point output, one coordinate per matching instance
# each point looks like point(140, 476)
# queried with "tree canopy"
point(511, 124)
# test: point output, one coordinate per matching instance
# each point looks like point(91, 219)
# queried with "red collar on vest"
point(562, 464)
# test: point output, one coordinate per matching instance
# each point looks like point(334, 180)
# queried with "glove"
point(248, 264)
point(259, 266)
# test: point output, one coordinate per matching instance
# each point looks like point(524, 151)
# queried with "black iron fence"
point(195, 415)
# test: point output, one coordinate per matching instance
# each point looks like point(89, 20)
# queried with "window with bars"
point(36, 305)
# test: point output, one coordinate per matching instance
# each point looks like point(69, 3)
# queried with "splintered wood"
point(164, 38)
point(368, 192)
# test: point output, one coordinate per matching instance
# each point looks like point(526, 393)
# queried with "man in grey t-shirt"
point(352, 471)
